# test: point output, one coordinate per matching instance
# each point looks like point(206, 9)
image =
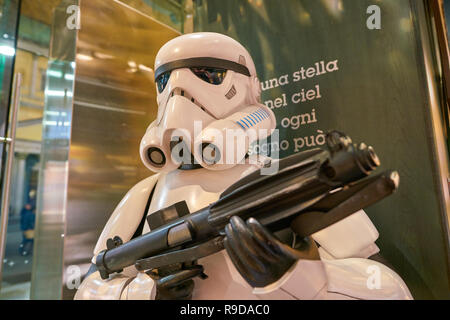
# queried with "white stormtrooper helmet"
point(210, 79)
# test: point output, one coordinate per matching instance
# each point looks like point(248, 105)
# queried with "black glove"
point(259, 257)
point(181, 291)
point(176, 285)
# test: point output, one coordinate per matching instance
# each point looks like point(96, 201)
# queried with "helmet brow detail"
point(242, 60)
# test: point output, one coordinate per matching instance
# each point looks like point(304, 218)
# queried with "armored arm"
point(123, 223)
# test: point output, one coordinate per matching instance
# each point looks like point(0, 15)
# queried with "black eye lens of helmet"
point(210, 75)
point(162, 80)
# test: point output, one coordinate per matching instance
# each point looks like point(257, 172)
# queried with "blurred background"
point(77, 94)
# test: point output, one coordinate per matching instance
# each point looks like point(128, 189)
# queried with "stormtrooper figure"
point(207, 86)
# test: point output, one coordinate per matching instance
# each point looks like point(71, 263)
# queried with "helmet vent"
point(231, 93)
point(242, 60)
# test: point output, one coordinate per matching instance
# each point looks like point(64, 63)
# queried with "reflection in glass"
point(46, 94)
point(47, 275)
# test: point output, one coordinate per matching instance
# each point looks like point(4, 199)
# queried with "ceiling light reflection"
point(7, 51)
point(53, 73)
point(58, 93)
point(84, 57)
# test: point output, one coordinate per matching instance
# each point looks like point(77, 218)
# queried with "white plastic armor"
point(184, 97)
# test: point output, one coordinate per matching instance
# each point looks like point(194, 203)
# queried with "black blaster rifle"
point(311, 191)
